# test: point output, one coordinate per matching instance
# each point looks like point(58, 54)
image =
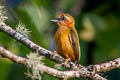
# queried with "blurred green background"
point(97, 23)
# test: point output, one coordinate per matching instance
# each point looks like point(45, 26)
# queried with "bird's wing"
point(74, 40)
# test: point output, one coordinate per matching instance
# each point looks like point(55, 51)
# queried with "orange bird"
point(67, 41)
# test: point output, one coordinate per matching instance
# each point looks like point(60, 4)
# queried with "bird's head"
point(64, 20)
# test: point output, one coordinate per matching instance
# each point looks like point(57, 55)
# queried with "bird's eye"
point(63, 18)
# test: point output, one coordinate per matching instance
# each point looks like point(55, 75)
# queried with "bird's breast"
point(63, 44)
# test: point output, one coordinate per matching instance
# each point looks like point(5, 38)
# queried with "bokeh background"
point(97, 23)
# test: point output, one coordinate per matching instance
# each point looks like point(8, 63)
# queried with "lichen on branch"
point(33, 71)
point(2, 14)
point(23, 30)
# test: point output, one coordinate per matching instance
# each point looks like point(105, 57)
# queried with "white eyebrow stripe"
point(67, 17)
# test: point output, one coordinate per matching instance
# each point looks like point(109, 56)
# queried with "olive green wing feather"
point(74, 40)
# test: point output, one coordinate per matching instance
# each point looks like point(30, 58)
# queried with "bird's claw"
point(66, 62)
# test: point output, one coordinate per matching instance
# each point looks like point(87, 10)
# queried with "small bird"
point(67, 41)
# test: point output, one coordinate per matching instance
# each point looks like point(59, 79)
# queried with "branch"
point(7, 54)
point(104, 67)
point(60, 74)
point(34, 47)
point(42, 51)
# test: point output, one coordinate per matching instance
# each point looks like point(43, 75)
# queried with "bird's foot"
point(54, 52)
point(66, 62)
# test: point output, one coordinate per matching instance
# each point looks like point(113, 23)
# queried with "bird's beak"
point(55, 20)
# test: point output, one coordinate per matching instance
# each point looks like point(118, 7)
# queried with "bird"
point(66, 37)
